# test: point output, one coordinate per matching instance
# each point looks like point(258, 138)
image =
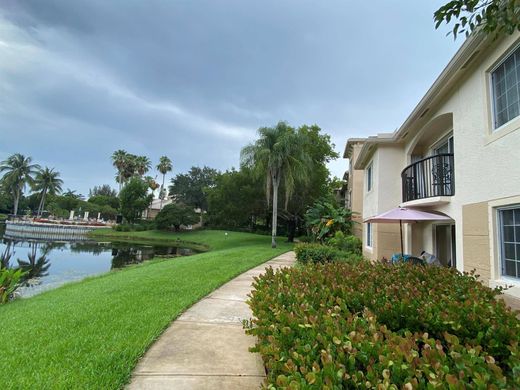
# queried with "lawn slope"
point(90, 334)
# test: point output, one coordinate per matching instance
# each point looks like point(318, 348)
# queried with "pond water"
point(53, 263)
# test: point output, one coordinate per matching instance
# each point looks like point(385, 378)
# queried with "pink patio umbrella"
point(406, 215)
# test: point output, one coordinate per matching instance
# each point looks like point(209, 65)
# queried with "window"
point(505, 81)
point(509, 222)
point(445, 146)
point(369, 235)
point(369, 178)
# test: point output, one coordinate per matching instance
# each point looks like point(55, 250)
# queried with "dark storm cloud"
point(195, 79)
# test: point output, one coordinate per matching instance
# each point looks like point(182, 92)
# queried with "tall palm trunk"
point(16, 201)
point(276, 183)
point(42, 203)
point(161, 191)
point(120, 176)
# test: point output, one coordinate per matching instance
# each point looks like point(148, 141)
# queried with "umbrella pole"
point(401, 229)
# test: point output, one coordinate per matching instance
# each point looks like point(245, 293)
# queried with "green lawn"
point(91, 334)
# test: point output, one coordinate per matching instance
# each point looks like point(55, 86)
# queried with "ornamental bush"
point(339, 325)
point(317, 253)
point(346, 243)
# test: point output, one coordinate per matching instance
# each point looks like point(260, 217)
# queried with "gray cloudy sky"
point(194, 79)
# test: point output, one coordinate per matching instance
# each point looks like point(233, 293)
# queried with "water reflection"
point(52, 263)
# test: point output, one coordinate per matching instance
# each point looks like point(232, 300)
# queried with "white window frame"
point(369, 236)
point(500, 232)
point(370, 177)
point(494, 126)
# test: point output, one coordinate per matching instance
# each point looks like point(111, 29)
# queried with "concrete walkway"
point(206, 347)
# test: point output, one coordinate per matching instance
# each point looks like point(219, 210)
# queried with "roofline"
point(369, 146)
point(450, 73)
point(349, 144)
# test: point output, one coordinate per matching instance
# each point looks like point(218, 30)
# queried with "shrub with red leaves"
point(341, 325)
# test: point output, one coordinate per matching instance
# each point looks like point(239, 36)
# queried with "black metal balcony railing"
point(429, 177)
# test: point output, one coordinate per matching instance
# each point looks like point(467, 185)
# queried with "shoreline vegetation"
point(91, 334)
point(152, 237)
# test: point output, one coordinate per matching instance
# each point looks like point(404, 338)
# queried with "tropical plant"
point(152, 184)
point(492, 16)
point(164, 166)
point(142, 165)
point(119, 161)
point(5, 256)
point(279, 155)
point(9, 282)
point(324, 219)
point(35, 266)
point(134, 199)
point(174, 215)
point(18, 171)
point(46, 181)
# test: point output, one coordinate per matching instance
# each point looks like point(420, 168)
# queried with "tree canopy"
point(190, 188)
point(174, 215)
point(492, 16)
point(279, 155)
point(134, 199)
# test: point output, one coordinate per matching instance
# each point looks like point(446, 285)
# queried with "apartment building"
point(354, 184)
point(457, 153)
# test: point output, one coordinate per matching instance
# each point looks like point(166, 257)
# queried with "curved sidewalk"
point(206, 347)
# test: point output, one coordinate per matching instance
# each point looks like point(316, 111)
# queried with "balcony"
point(430, 177)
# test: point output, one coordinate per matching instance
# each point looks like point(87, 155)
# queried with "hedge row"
point(338, 325)
point(317, 253)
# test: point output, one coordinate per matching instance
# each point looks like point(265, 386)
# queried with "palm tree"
point(129, 168)
point(164, 166)
point(279, 154)
point(142, 165)
point(18, 172)
point(47, 181)
point(119, 160)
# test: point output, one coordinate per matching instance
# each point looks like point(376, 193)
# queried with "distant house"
point(457, 153)
point(154, 208)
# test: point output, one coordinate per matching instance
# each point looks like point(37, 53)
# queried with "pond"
point(52, 263)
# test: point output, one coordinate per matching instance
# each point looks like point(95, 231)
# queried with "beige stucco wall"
point(475, 233)
point(487, 170)
point(355, 187)
point(487, 165)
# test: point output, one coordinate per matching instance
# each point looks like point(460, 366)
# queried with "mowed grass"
point(91, 334)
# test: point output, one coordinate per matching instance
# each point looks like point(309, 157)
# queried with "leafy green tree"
point(134, 199)
point(69, 200)
point(492, 16)
point(190, 188)
point(18, 172)
point(279, 154)
point(104, 200)
point(174, 215)
point(321, 151)
point(46, 181)
point(103, 190)
point(234, 202)
point(164, 166)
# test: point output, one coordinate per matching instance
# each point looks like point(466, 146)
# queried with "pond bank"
point(147, 237)
point(90, 334)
